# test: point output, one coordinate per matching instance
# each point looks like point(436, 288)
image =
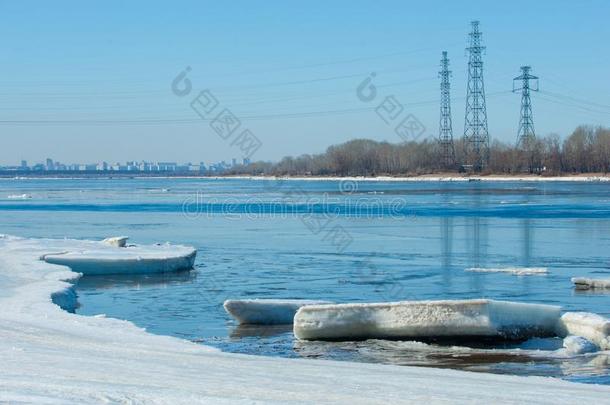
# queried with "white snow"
point(409, 319)
point(518, 271)
point(583, 283)
point(579, 345)
point(116, 241)
point(266, 311)
point(426, 178)
point(593, 327)
point(51, 356)
point(108, 257)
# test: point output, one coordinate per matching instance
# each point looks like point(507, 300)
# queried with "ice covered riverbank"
point(49, 355)
point(433, 178)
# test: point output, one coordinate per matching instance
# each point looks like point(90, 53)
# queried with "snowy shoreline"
point(430, 178)
point(50, 355)
point(410, 179)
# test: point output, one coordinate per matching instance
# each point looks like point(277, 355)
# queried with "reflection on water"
point(442, 230)
point(259, 331)
point(165, 280)
point(527, 242)
point(593, 291)
point(446, 249)
point(542, 358)
point(446, 243)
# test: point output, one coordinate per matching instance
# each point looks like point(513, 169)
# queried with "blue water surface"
point(340, 241)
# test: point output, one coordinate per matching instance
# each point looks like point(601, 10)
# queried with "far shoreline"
point(443, 177)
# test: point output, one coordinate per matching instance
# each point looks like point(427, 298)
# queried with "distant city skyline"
point(81, 82)
point(50, 165)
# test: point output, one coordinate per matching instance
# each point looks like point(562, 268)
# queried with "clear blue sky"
point(102, 71)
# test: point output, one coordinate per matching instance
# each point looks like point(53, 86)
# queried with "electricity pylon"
point(476, 134)
point(526, 135)
point(445, 137)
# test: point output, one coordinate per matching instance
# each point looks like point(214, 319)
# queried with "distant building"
point(197, 167)
point(167, 166)
point(142, 166)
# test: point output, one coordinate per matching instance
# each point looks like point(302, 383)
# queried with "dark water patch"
point(397, 210)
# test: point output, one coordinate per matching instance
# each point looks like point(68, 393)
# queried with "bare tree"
point(586, 150)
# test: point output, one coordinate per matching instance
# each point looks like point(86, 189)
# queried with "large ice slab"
point(412, 319)
point(583, 283)
point(266, 311)
point(114, 257)
point(594, 327)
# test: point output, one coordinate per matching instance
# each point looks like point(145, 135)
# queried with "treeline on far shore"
point(586, 150)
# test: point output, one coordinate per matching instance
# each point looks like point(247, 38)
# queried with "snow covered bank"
point(51, 356)
point(266, 311)
point(418, 178)
point(517, 271)
point(113, 256)
point(427, 178)
point(582, 283)
point(411, 319)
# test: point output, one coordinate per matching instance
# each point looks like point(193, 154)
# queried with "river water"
point(339, 241)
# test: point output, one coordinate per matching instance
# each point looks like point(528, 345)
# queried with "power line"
point(571, 104)
point(186, 120)
point(574, 99)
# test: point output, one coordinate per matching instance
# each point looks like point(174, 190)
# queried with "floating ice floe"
point(578, 345)
point(412, 319)
point(582, 283)
point(518, 271)
point(113, 256)
point(19, 197)
point(266, 311)
point(593, 327)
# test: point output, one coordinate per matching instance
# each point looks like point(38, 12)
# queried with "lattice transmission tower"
point(445, 137)
point(476, 134)
point(526, 135)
